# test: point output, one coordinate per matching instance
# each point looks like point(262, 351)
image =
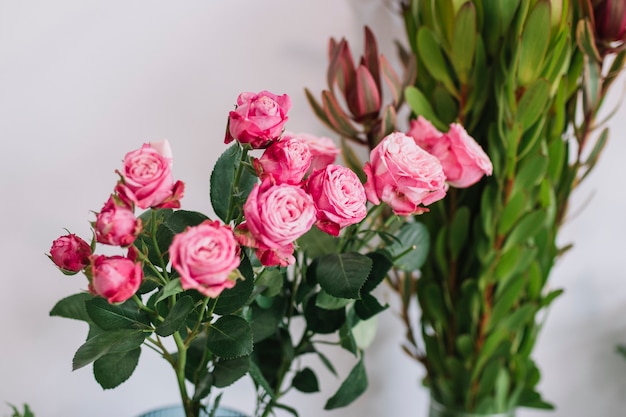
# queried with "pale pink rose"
point(287, 160)
point(205, 257)
point(276, 215)
point(258, 119)
point(403, 175)
point(115, 278)
point(339, 198)
point(147, 178)
point(425, 134)
point(116, 224)
point(464, 161)
point(70, 253)
point(323, 150)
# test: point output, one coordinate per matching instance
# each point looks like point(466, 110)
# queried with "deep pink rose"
point(323, 150)
point(147, 177)
point(258, 119)
point(403, 175)
point(115, 278)
point(70, 253)
point(205, 257)
point(116, 224)
point(287, 160)
point(276, 215)
point(463, 160)
point(339, 198)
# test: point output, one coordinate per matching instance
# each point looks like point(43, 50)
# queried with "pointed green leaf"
point(534, 43)
point(116, 316)
point(73, 307)
point(586, 40)
point(339, 120)
point(230, 337)
point(228, 371)
point(351, 388)
point(115, 341)
point(305, 381)
point(343, 275)
point(352, 161)
point(410, 249)
point(421, 107)
point(432, 57)
point(260, 380)
point(233, 299)
point(176, 317)
point(114, 368)
point(317, 108)
point(533, 103)
point(464, 41)
point(526, 228)
point(173, 287)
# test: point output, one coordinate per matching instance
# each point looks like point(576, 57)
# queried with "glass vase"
point(178, 411)
point(439, 410)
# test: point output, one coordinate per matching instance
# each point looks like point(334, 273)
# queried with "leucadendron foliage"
point(527, 79)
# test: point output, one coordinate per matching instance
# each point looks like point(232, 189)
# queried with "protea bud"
point(610, 24)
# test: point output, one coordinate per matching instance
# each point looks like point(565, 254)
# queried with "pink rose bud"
point(610, 19)
point(258, 119)
point(115, 278)
point(339, 198)
point(205, 256)
point(403, 175)
point(70, 253)
point(323, 150)
point(147, 178)
point(276, 215)
point(287, 160)
point(464, 162)
point(116, 224)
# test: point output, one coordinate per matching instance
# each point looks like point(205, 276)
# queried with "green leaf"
point(305, 381)
point(464, 41)
point(364, 332)
point(179, 220)
point(115, 341)
point(432, 302)
point(433, 59)
point(328, 302)
point(260, 380)
point(586, 39)
point(412, 243)
point(420, 106)
point(532, 171)
point(73, 307)
point(316, 243)
point(533, 103)
point(354, 163)
point(222, 181)
point(230, 337)
point(458, 231)
point(343, 275)
point(368, 307)
point(116, 316)
point(513, 211)
point(265, 321)
point(526, 228)
point(520, 317)
point(270, 281)
point(233, 299)
point(338, 119)
point(322, 321)
point(465, 345)
point(503, 304)
point(173, 287)
point(227, 371)
point(351, 388)
point(176, 316)
point(114, 368)
point(534, 43)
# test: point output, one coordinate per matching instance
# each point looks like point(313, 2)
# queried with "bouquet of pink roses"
point(294, 241)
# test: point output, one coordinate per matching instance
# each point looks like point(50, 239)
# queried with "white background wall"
point(84, 82)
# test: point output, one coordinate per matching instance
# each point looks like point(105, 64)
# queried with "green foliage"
point(17, 413)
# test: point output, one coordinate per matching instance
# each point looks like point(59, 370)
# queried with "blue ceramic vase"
point(178, 411)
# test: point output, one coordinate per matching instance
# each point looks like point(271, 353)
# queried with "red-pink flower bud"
point(115, 278)
point(70, 253)
point(116, 224)
point(610, 19)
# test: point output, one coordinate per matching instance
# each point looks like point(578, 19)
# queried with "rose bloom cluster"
point(299, 187)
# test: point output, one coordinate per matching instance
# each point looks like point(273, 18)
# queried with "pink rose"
point(287, 160)
point(147, 178)
point(258, 119)
point(323, 150)
point(70, 253)
point(115, 278)
point(276, 215)
point(464, 161)
point(403, 175)
point(339, 198)
point(116, 224)
point(205, 257)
